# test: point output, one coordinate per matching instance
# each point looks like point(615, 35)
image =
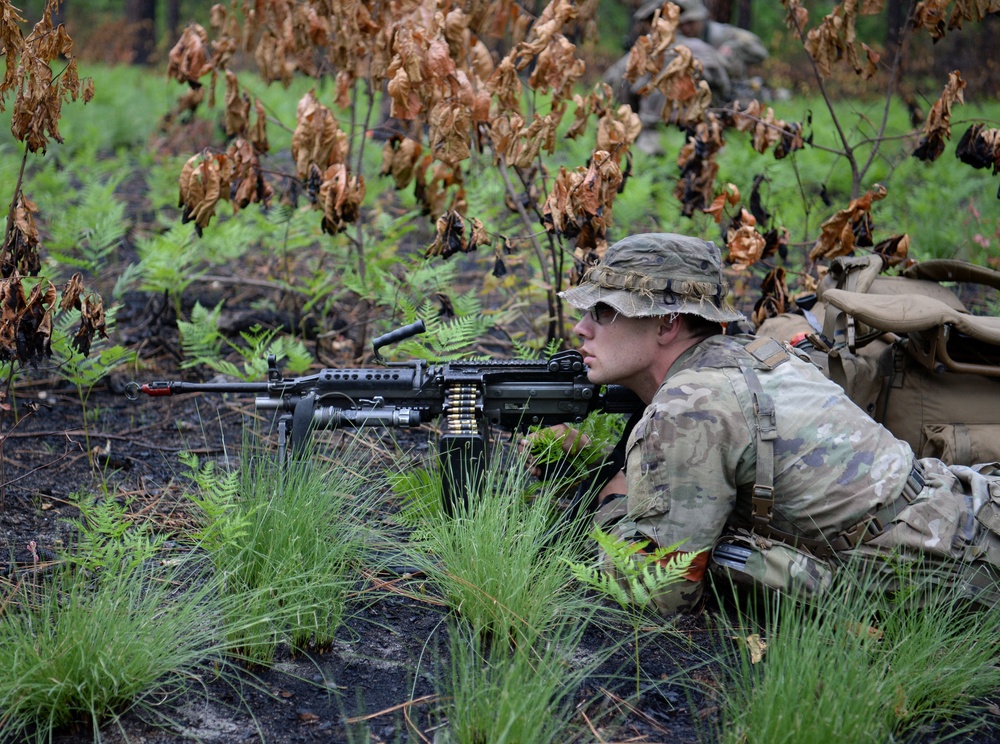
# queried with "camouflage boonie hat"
point(658, 274)
point(691, 10)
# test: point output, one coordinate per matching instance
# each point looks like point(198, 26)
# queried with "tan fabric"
point(656, 274)
point(910, 313)
point(953, 417)
point(952, 270)
point(898, 285)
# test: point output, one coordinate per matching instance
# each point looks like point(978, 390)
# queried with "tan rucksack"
point(908, 352)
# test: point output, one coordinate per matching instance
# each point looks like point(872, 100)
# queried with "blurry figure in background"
point(649, 108)
point(737, 47)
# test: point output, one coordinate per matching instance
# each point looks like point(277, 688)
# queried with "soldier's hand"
point(570, 440)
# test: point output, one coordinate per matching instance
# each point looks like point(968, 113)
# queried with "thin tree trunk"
point(140, 15)
point(894, 23)
point(173, 20)
point(744, 16)
point(720, 10)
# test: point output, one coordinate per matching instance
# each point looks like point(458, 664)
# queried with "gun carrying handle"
point(400, 334)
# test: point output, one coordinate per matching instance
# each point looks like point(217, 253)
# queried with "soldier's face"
point(617, 350)
point(692, 29)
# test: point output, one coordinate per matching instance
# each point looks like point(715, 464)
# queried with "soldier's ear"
point(668, 327)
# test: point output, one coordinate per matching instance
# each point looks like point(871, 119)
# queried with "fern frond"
point(644, 574)
point(200, 337)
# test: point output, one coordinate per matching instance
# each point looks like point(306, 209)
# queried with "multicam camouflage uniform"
point(738, 48)
point(650, 107)
point(698, 452)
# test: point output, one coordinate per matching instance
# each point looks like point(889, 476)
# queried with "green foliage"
point(421, 491)
point(89, 231)
point(85, 371)
point(637, 579)
point(943, 206)
point(444, 339)
point(639, 576)
point(505, 695)
point(135, 635)
point(167, 261)
point(497, 560)
point(117, 626)
point(599, 435)
point(286, 538)
point(204, 344)
point(222, 523)
point(524, 350)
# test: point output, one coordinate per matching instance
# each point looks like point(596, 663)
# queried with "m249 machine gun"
point(466, 397)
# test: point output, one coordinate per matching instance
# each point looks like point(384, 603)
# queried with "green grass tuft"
point(89, 646)
point(860, 665)
point(287, 541)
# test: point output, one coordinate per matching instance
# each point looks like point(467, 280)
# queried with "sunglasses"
point(602, 313)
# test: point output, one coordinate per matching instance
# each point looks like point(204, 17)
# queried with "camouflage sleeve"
point(738, 48)
point(682, 471)
point(749, 46)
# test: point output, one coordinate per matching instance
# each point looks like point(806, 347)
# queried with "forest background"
point(190, 286)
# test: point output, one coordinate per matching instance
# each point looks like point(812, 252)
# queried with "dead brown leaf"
point(449, 237)
point(237, 115)
point(399, 159)
point(20, 253)
point(72, 292)
point(204, 180)
point(317, 138)
point(745, 244)
point(450, 132)
point(187, 61)
point(25, 323)
point(894, 250)
point(937, 128)
point(774, 298)
point(248, 183)
point(980, 147)
point(696, 186)
point(340, 197)
point(837, 237)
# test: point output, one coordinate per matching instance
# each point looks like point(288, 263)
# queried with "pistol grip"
point(302, 424)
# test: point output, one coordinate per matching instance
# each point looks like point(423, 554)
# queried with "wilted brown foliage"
point(38, 92)
point(456, 80)
point(41, 73)
point(937, 128)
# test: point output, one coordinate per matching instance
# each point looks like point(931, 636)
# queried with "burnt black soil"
point(376, 683)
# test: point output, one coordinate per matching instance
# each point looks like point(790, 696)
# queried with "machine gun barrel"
point(171, 387)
